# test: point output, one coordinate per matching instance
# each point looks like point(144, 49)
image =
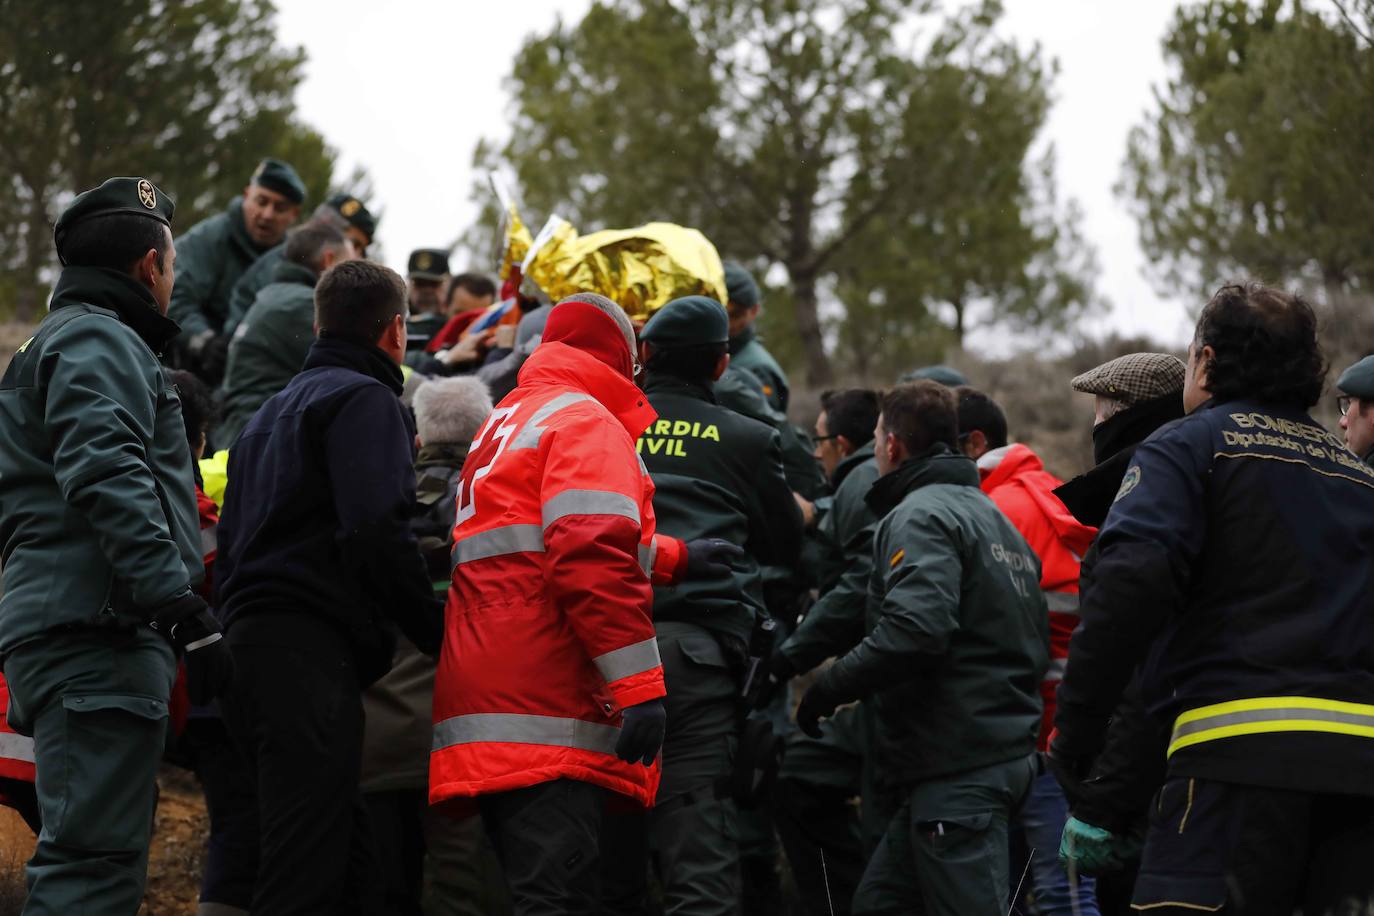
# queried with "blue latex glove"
point(1088, 850)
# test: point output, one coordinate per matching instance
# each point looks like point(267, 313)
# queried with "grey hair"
point(451, 409)
point(617, 314)
point(1111, 406)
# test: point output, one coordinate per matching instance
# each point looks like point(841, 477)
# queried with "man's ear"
point(721, 365)
point(1202, 374)
point(145, 271)
point(844, 445)
point(976, 445)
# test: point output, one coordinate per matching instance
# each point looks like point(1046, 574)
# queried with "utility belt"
point(1268, 715)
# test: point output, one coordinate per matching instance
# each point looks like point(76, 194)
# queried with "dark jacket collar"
point(937, 464)
point(444, 454)
point(742, 339)
point(291, 272)
point(671, 384)
point(848, 463)
point(345, 354)
point(120, 293)
point(1089, 496)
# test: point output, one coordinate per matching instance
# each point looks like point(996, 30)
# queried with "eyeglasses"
point(1343, 404)
point(820, 439)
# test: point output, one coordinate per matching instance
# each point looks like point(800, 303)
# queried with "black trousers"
point(231, 859)
point(547, 837)
point(296, 713)
point(1256, 851)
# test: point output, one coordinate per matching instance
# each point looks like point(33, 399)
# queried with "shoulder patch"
point(1129, 482)
point(896, 558)
point(25, 345)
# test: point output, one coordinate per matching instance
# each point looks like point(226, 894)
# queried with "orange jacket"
point(548, 626)
point(1014, 478)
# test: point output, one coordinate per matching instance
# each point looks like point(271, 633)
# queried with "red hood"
point(1016, 465)
point(587, 328)
point(555, 363)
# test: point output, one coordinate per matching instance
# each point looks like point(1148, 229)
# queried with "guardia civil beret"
point(275, 175)
point(740, 285)
point(687, 322)
point(427, 264)
point(1133, 378)
point(135, 196)
point(357, 214)
point(945, 375)
point(1358, 380)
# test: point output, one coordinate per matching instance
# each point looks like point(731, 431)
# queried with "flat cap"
point(135, 196)
point(357, 214)
point(427, 264)
point(275, 175)
point(945, 375)
point(686, 322)
point(1133, 378)
point(740, 285)
point(1358, 380)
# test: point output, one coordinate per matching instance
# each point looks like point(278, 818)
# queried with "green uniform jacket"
point(835, 623)
point(98, 517)
point(245, 292)
point(746, 352)
point(269, 346)
point(959, 633)
point(211, 258)
point(717, 474)
point(420, 329)
point(742, 392)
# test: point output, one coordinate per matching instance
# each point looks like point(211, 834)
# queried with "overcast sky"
point(407, 88)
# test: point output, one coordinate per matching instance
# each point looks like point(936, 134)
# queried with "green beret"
point(427, 264)
point(686, 322)
point(275, 175)
point(357, 214)
point(740, 285)
point(1358, 380)
point(945, 375)
point(135, 196)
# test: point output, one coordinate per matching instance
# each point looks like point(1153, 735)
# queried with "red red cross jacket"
point(1014, 478)
point(548, 626)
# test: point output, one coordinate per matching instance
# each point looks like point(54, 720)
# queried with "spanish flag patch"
point(896, 558)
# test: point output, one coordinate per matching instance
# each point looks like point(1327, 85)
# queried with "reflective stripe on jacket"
point(548, 628)
point(16, 751)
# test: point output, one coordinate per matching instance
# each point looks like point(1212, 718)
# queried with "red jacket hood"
point(555, 363)
point(1016, 465)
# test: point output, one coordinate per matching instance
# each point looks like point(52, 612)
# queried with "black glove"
point(641, 733)
point(780, 670)
point(1069, 771)
point(709, 558)
point(819, 703)
point(186, 622)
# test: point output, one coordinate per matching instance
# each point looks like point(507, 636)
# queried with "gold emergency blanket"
point(643, 269)
point(517, 243)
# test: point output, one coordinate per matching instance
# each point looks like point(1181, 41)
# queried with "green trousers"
point(691, 835)
point(95, 702)
point(945, 852)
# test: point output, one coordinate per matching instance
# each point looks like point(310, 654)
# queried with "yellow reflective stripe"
point(1217, 709)
point(1265, 715)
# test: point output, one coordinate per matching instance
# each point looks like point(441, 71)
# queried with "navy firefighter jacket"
point(1238, 563)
